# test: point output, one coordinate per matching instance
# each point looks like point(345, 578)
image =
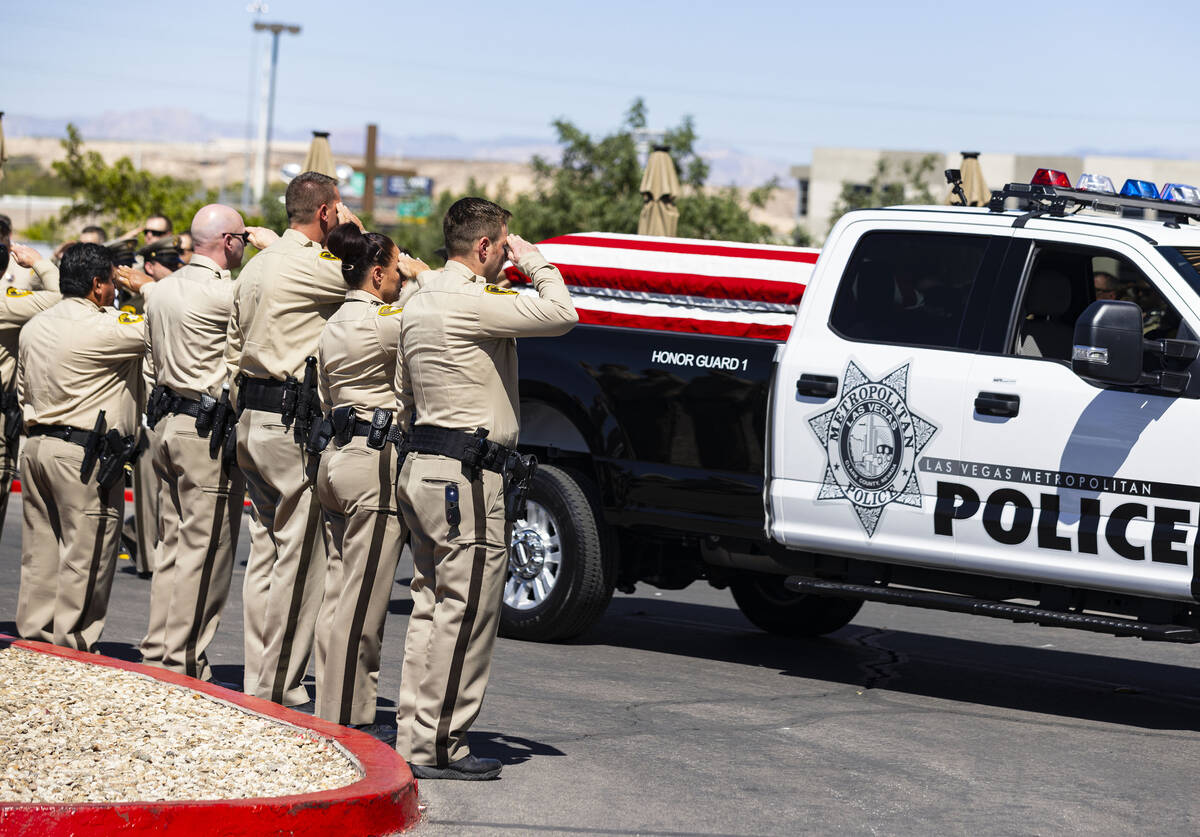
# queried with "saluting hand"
point(519, 248)
point(132, 280)
point(345, 216)
point(261, 237)
point(24, 255)
point(410, 266)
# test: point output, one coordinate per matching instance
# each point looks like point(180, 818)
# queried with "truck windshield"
point(1186, 260)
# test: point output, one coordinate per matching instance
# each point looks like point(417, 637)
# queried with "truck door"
point(871, 381)
point(1065, 481)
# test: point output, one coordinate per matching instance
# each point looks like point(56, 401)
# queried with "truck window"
point(1064, 280)
point(909, 288)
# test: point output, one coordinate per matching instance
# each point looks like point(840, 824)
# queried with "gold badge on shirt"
point(329, 257)
point(127, 318)
point(16, 292)
point(499, 291)
point(388, 310)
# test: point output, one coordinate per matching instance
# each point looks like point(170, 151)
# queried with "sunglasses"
point(149, 231)
point(244, 236)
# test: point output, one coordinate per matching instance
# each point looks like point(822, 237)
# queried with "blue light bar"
point(1179, 192)
point(1140, 189)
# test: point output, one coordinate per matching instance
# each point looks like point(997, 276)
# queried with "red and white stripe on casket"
point(681, 284)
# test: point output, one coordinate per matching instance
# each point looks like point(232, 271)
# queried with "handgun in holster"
point(206, 415)
point(318, 439)
point(518, 476)
point(120, 452)
point(474, 453)
point(381, 422)
point(92, 449)
point(308, 404)
point(223, 422)
point(156, 404)
point(13, 420)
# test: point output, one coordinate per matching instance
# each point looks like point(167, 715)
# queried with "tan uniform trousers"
point(201, 519)
point(457, 581)
point(147, 515)
point(69, 544)
point(285, 574)
point(364, 535)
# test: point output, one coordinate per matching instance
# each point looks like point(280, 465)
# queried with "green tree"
point(23, 175)
point(596, 186)
point(120, 196)
point(885, 188)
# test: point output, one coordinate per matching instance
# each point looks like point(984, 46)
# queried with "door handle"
point(997, 404)
point(820, 386)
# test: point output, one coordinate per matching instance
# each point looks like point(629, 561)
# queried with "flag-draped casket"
point(681, 284)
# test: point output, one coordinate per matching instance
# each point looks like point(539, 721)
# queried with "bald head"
point(209, 234)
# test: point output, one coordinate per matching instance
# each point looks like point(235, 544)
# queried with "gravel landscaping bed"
point(73, 732)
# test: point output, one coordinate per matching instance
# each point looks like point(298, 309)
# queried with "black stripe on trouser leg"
point(93, 571)
point(366, 586)
point(214, 536)
point(468, 624)
point(289, 628)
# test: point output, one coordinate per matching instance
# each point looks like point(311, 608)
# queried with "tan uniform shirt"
point(284, 296)
point(43, 276)
point(459, 352)
point(356, 360)
point(16, 308)
point(76, 359)
point(186, 321)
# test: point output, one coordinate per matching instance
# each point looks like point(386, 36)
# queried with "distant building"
point(819, 184)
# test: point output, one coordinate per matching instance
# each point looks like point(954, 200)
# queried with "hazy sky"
point(769, 78)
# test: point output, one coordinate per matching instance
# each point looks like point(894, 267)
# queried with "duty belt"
point(262, 394)
point(183, 406)
point(472, 449)
point(66, 432)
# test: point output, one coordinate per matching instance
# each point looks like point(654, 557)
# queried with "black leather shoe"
point(380, 732)
point(469, 768)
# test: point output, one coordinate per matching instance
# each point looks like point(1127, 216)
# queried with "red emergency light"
point(1051, 177)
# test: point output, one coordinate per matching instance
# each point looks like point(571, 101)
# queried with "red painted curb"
point(383, 802)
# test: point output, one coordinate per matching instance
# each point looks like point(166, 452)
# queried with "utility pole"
point(266, 115)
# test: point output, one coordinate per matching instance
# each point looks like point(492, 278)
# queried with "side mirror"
point(1108, 343)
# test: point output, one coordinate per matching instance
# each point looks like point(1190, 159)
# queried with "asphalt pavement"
point(673, 715)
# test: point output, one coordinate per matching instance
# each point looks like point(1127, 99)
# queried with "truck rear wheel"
point(559, 578)
point(771, 606)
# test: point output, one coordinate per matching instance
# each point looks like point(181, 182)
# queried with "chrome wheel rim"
point(534, 558)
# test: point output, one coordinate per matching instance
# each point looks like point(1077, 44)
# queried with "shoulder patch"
point(388, 310)
point(327, 256)
point(498, 291)
point(14, 292)
point(126, 318)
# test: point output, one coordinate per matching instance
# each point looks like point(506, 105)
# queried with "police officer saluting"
point(78, 370)
point(200, 493)
point(459, 368)
point(285, 294)
point(357, 476)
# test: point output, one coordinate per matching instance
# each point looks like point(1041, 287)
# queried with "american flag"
point(681, 284)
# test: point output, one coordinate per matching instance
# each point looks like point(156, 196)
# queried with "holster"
point(119, 451)
point(156, 404)
point(224, 422)
point(343, 420)
point(291, 395)
point(518, 476)
point(92, 449)
point(206, 415)
point(381, 421)
point(13, 420)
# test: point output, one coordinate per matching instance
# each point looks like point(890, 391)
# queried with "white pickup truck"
point(986, 410)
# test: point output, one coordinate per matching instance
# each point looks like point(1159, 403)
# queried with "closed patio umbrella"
point(320, 155)
point(660, 186)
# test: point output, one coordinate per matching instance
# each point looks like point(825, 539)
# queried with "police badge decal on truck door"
point(872, 441)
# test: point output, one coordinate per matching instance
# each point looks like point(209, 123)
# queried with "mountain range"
point(728, 166)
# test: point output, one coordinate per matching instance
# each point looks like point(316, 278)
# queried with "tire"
point(771, 606)
point(560, 577)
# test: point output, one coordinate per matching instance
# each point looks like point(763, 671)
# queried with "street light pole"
point(266, 116)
